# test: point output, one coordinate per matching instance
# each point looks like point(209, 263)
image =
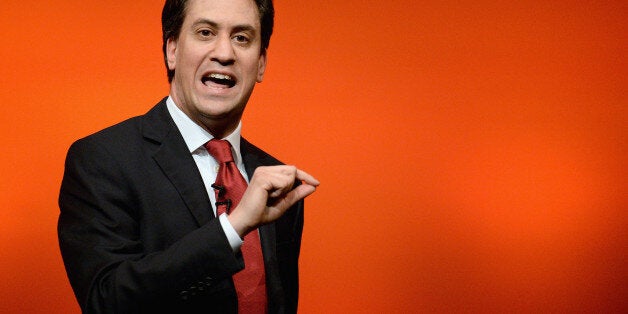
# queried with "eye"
point(204, 33)
point(241, 39)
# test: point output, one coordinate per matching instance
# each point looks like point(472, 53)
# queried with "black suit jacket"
point(137, 232)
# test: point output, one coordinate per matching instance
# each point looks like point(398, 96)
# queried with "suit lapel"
point(176, 162)
point(253, 158)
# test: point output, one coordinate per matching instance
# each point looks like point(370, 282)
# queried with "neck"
point(219, 126)
point(218, 131)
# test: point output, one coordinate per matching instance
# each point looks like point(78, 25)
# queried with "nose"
point(223, 52)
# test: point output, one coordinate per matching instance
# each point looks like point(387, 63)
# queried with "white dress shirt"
point(195, 138)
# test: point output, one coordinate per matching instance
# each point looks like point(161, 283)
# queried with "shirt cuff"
point(232, 236)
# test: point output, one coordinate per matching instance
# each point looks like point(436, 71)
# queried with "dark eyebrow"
point(205, 21)
point(237, 28)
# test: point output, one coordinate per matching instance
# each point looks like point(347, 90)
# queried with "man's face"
point(217, 62)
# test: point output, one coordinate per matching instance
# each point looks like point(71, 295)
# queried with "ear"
point(171, 53)
point(261, 67)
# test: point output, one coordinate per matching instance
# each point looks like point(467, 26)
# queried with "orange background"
point(472, 153)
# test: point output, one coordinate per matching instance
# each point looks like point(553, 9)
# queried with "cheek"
point(255, 69)
point(190, 60)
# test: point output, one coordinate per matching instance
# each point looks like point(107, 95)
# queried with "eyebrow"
point(237, 28)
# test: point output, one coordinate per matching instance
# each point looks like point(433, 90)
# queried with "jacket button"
point(200, 286)
point(208, 281)
point(184, 295)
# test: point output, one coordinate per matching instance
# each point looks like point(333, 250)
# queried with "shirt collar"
point(195, 136)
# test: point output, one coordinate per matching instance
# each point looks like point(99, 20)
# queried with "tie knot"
point(220, 150)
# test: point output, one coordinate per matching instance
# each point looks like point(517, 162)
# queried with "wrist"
point(238, 223)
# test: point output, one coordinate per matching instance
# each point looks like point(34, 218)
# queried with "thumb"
point(297, 194)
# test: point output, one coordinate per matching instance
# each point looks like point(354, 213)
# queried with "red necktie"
point(250, 283)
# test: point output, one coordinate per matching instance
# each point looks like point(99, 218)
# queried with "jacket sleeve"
point(107, 263)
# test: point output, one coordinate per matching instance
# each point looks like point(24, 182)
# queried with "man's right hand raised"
point(269, 195)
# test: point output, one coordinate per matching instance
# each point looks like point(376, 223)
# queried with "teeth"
point(220, 76)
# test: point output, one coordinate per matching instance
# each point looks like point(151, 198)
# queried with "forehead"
point(223, 12)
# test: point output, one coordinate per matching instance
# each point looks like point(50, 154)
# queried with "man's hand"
point(269, 195)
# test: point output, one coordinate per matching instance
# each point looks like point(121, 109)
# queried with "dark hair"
point(174, 11)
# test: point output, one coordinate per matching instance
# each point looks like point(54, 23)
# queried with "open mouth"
point(218, 80)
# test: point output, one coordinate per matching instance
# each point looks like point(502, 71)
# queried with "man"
point(150, 219)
